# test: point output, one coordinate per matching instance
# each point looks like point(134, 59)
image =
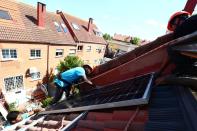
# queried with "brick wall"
point(92, 55)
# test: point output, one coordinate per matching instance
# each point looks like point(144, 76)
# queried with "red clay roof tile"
point(82, 34)
point(24, 27)
point(120, 37)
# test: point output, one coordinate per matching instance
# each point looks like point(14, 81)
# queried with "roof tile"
point(23, 27)
point(82, 34)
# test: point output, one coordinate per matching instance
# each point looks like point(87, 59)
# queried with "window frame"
point(35, 57)
point(88, 49)
point(86, 61)
point(9, 54)
point(8, 14)
point(75, 26)
point(72, 53)
point(64, 28)
point(99, 49)
point(57, 27)
point(35, 74)
point(81, 46)
point(14, 82)
point(98, 33)
point(56, 51)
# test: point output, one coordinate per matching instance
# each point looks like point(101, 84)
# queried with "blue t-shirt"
point(71, 76)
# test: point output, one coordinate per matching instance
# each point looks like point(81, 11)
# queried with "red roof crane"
point(190, 6)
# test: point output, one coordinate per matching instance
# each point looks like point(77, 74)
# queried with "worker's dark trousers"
point(59, 92)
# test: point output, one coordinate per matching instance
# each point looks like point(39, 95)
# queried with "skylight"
point(5, 15)
point(64, 27)
point(75, 26)
point(98, 33)
point(58, 27)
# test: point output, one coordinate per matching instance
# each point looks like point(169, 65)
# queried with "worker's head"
point(177, 19)
point(14, 117)
point(88, 69)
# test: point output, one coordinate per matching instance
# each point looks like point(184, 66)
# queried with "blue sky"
point(146, 19)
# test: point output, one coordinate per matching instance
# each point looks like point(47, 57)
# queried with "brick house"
point(90, 43)
point(33, 41)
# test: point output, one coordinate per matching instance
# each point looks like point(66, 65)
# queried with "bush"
point(69, 62)
point(46, 102)
point(135, 41)
point(12, 107)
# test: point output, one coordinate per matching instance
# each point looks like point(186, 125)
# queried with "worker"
point(187, 27)
point(64, 80)
point(16, 116)
point(181, 23)
point(183, 54)
point(177, 19)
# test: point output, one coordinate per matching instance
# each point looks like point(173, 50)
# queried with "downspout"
point(47, 73)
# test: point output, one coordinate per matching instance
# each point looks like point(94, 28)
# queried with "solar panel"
point(134, 91)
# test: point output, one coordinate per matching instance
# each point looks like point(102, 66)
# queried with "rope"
point(131, 119)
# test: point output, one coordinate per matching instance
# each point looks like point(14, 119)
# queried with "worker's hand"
point(38, 110)
point(93, 85)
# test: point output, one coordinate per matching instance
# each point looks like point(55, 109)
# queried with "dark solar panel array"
point(126, 90)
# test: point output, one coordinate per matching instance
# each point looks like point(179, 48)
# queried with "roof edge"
point(34, 42)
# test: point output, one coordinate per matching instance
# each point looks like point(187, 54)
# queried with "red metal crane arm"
point(190, 6)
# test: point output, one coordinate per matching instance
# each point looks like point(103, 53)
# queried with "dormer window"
point(64, 27)
point(5, 15)
point(75, 26)
point(98, 33)
point(58, 27)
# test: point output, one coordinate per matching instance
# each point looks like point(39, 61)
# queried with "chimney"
point(90, 24)
point(41, 14)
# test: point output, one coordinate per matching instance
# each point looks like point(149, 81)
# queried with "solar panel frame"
point(137, 96)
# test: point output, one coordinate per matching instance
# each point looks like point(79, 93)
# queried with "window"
point(14, 83)
point(9, 54)
point(56, 71)
point(5, 15)
point(88, 48)
point(98, 50)
point(86, 62)
point(72, 51)
point(95, 61)
point(35, 53)
point(64, 27)
point(35, 75)
point(75, 26)
point(80, 48)
point(103, 49)
point(97, 33)
point(58, 27)
point(59, 52)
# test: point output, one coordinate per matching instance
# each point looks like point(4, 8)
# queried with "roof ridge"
point(75, 17)
point(86, 21)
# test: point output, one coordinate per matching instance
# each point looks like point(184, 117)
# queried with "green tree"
point(107, 36)
point(69, 62)
point(135, 41)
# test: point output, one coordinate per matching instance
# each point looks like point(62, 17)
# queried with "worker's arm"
point(35, 111)
point(87, 80)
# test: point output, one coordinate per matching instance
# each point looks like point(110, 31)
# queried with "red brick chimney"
point(41, 14)
point(90, 24)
